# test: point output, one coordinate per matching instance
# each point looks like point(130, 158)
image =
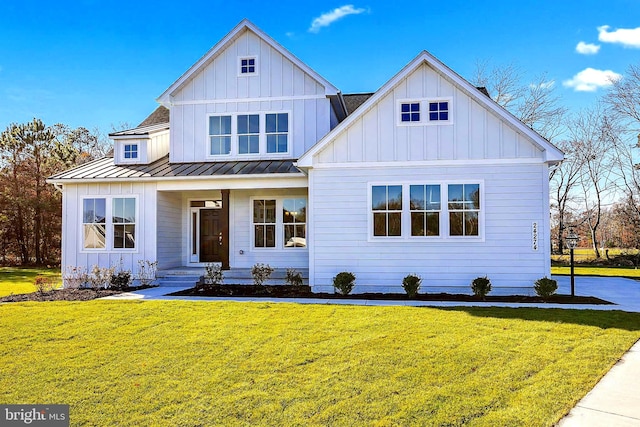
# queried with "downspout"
point(58, 187)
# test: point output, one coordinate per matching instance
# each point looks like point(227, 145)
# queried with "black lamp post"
point(572, 241)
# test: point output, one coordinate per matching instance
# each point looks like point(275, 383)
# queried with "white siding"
point(241, 224)
point(279, 85)
point(514, 197)
point(73, 253)
point(158, 146)
point(475, 133)
point(170, 249)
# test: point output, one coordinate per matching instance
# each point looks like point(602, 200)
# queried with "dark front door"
point(212, 235)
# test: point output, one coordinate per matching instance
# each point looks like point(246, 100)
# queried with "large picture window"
point(294, 219)
point(386, 204)
point(109, 223)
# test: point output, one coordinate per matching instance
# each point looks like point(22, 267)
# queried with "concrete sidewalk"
point(614, 401)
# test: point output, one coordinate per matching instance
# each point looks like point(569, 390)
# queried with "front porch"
point(189, 276)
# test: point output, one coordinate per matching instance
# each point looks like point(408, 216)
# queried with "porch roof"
point(105, 169)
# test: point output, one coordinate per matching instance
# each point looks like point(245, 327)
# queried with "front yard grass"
point(223, 363)
point(19, 280)
point(588, 270)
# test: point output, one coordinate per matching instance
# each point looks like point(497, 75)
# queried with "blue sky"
point(96, 63)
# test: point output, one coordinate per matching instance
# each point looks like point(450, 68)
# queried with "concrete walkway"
point(613, 402)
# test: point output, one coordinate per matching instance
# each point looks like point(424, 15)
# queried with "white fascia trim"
point(245, 24)
point(427, 163)
point(252, 178)
point(237, 100)
point(137, 137)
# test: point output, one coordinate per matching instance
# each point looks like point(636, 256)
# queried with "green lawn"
point(587, 270)
point(222, 363)
point(19, 280)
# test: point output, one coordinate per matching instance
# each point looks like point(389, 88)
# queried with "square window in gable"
point(131, 151)
point(439, 111)
point(410, 112)
point(248, 65)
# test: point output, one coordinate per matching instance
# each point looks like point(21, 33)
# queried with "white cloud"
point(628, 37)
point(329, 18)
point(544, 85)
point(587, 48)
point(590, 80)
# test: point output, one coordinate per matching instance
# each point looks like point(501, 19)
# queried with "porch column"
point(225, 229)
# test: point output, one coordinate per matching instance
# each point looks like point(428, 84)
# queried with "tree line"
point(596, 189)
point(30, 209)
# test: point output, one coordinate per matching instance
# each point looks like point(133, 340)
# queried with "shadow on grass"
point(601, 319)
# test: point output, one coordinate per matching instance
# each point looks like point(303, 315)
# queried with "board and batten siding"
point(514, 198)
point(474, 134)
point(73, 255)
point(278, 86)
point(170, 244)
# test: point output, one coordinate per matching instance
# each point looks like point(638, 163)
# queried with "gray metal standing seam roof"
point(105, 169)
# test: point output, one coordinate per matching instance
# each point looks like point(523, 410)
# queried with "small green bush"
point(344, 282)
point(545, 287)
point(213, 275)
point(481, 286)
point(260, 273)
point(411, 284)
point(294, 278)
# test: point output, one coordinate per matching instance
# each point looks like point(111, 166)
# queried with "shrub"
point(74, 277)
point(294, 278)
point(411, 284)
point(213, 274)
point(545, 287)
point(481, 286)
point(121, 280)
point(260, 273)
point(344, 282)
point(100, 278)
point(147, 272)
point(43, 284)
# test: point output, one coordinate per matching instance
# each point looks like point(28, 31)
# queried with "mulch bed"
point(285, 291)
point(84, 294)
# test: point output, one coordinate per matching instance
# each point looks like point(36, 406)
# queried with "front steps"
point(189, 276)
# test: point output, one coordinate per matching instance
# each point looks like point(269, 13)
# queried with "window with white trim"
point(131, 151)
point(94, 218)
point(439, 111)
point(219, 135)
point(424, 205)
point(294, 219)
point(386, 204)
point(248, 65)
point(264, 223)
point(248, 133)
point(464, 209)
point(277, 130)
point(109, 223)
point(410, 112)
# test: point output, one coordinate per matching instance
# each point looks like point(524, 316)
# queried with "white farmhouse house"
point(254, 157)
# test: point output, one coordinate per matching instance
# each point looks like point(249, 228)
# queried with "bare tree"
point(624, 97)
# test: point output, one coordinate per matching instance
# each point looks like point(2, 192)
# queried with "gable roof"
point(244, 25)
point(353, 100)
point(159, 115)
point(552, 153)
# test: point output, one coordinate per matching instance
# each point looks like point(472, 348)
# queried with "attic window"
point(248, 65)
point(131, 151)
point(410, 112)
point(439, 111)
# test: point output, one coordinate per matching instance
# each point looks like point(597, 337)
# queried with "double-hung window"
point(277, 130)
point(220, 135)
point(464, 208)
point(109, 223)
point(94, 218)
point(264, 223)
point(386, 203)
point(294, 219)
point(248, 133)
point(425, 210)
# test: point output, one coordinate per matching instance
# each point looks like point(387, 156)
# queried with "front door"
point(212, 235)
